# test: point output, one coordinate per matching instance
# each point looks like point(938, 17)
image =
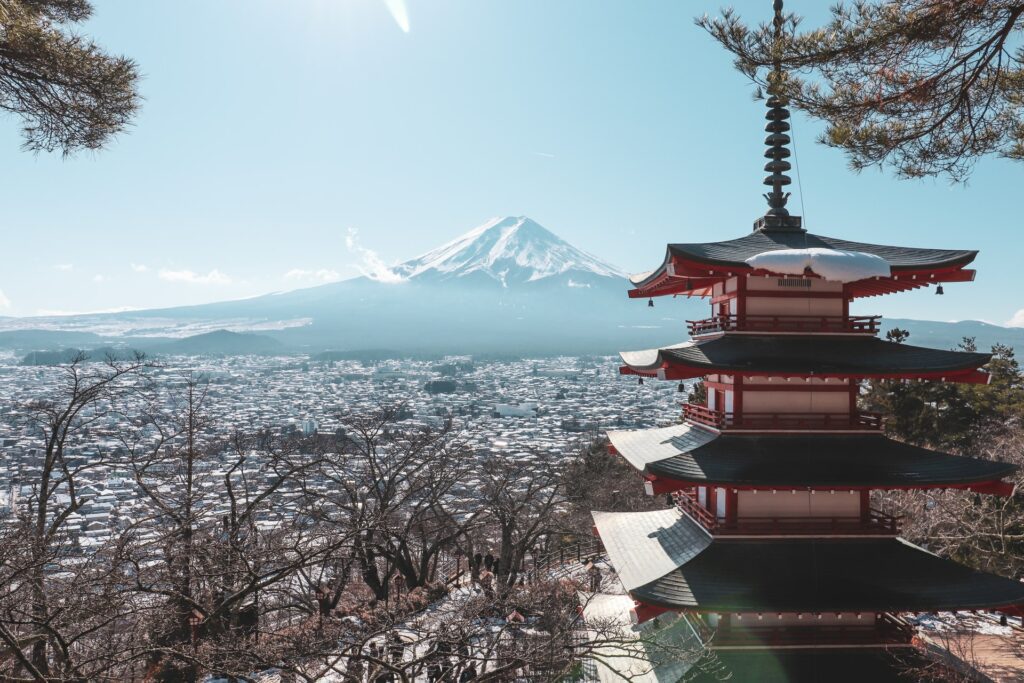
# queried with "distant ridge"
point(509, 287)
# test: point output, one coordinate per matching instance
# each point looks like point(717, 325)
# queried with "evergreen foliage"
point(924, 86)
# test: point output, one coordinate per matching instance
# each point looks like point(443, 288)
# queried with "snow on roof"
point(831, 264)
point(637, 278)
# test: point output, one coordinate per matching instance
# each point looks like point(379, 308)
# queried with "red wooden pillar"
point(741, 300)
point(865, 505)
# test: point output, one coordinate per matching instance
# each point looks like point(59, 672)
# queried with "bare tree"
point(221, 554)
point(523, 504)
point(43, 623)
point(397, 491)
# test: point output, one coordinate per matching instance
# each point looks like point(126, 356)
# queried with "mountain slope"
point(509, 251)
point(508, 286)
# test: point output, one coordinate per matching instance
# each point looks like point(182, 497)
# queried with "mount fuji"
point(507, 286)
point(508, 251)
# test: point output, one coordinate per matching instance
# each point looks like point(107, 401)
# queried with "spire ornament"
point(777, 217)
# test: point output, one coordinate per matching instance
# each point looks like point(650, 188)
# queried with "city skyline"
point(426, 120)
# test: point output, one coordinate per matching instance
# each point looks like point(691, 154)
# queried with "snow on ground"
point(962, 622)
point(830, 264)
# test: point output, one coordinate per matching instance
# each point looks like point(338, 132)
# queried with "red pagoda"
point(773, 545)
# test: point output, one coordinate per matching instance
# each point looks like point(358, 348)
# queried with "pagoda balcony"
point(887, 629)
point(876, 523)
point(781, 422)
point(801, 324)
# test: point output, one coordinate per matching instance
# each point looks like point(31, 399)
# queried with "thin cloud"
point(140, 267)
point(98, 278)
point(370, 264)
point(545, 155)
point(1017, 320)
point(55, 312)
point(64, 266)
point(4, 301)
point(214, 277)
point(319, 275)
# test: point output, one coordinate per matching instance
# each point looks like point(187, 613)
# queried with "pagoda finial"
point(777, 217)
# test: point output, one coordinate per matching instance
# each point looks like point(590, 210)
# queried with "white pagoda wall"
point(797, 504)
point(796, 402)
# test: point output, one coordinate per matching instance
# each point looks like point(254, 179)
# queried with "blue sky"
point(291, 142)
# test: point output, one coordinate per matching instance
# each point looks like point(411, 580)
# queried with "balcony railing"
point(876, 523)
point(688, 503)
point(885, 630)
point(770, 422)
point(863, 324)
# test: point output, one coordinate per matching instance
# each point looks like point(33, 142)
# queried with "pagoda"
point(773, 547)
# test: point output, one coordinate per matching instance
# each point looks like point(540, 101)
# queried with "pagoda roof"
point(804, 356)
point(817, 665)
point(735, 252)
point(825, 575)
point(686, 455)
point(648, 545)
point(690, 268)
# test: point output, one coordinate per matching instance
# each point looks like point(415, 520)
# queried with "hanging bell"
point(938, 290)
point(650, 303)
point(640, 380)
point(682, 388)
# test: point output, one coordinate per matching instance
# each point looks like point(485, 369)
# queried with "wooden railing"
point(863, 324)
point(876, 523)
point(781, 421)
point(688, 503)
point(886, 630)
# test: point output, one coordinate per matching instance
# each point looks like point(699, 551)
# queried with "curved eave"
point(818, 575)
point(732, 254)
point(692, 269)
point(683, 456)
point(805, 356)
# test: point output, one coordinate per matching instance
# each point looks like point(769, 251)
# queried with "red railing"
point(781, 421)
point(886, 630)
point(877, 523)
point(688, 503)
point(862, 324)
point(694, 412)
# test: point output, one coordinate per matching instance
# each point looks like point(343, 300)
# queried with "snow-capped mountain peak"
point(509, 250)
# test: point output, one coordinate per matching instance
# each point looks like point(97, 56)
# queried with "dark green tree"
point(68, 93)
point(924, 86)
point(948, 416)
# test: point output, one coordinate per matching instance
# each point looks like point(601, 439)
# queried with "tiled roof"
point(640, 447)
point(643, 546)
point(735, 252)
point(807, 354)
point(814, 575)
point(693, 454)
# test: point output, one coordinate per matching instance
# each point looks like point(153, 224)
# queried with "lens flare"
point(399, 12)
